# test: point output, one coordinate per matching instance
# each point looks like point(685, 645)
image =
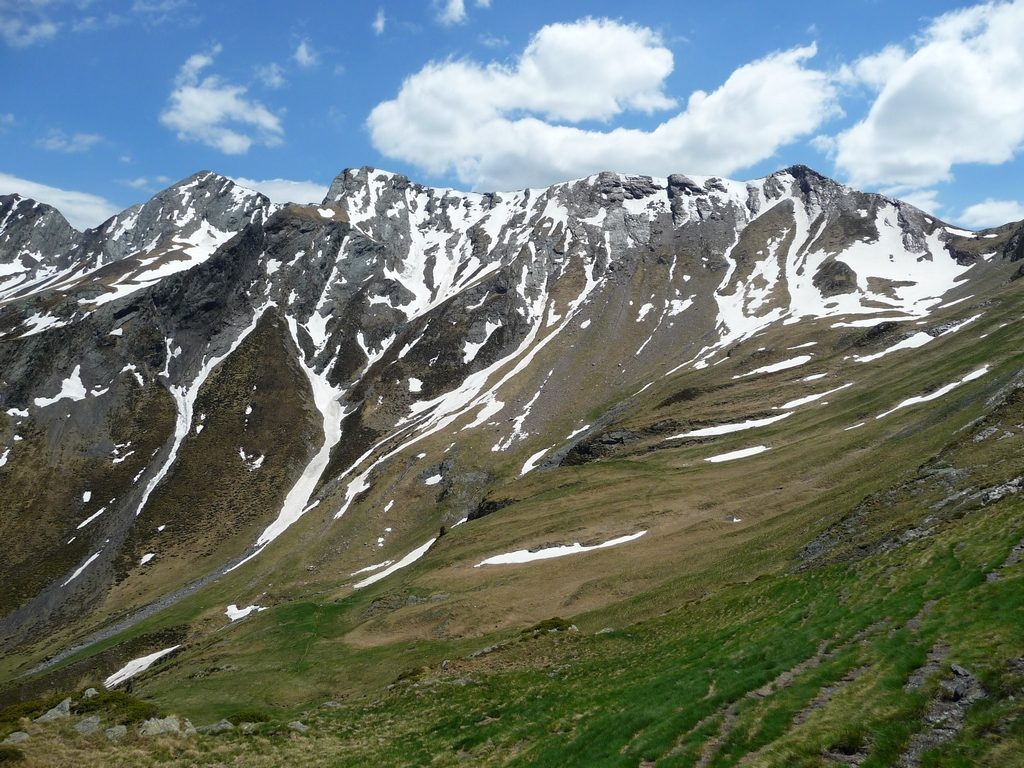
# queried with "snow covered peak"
point(35, 241)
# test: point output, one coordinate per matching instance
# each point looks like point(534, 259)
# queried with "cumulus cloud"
point(58, 141)
point(380, 22)
point(451, 12)
point(287, 191)
point(81, 209)
point(992, 213)
point(216, 113)
point(305, 55)
point(953, 97)
point(503, 126)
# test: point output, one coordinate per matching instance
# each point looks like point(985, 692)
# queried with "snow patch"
point(137, 666)
point(548, 553)
point(725, 429)
point(780, 366)
point(71, 388)
point(235, 613)
point(740, 454)
point(408, 560)
point(937, 393)
point(81, 568)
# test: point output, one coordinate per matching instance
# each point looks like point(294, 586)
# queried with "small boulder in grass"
point(18, 737)
point(158, 726)
point(90, 693)
point(296, 725)
point(89, 725)
point(59, 712)
point(117, 733)
point(218, 727)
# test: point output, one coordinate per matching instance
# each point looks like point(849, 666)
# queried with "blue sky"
point(106, 102)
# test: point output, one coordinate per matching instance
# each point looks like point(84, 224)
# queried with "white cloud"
point(305, 55)
point(451, 12)
point(271, 75)
point(955, 97)
point(157, 12)
point(216, 113)
point(22, 33)
point(992, 213)
point(380, 22)
point(874, 70)
point(57, 141)
point(493, 41)
point(506, 126)
point(6, 118)
point(147, 183)
point(483, 3)
point(287, 191)
point(81, 209)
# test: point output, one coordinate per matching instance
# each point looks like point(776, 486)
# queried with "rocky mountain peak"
point(35, 239)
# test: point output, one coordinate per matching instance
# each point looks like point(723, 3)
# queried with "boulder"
point(157, 726)
point(295, 725)
point(17, 737)
point(90, 693)
point(59, 712)
point(117, 733)
point(218, 727)
point(88, 725)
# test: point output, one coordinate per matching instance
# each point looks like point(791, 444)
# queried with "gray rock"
point(218, 727)
point(190, 730)
point(296, 725)
point(59, 712)
point(157, 726)
point(249, 727)
point(90, 693)
point(17, 738)
point(332, 705)
point(88, 725)
point(117, 733)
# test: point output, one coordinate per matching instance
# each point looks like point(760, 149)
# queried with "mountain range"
point(518, 454)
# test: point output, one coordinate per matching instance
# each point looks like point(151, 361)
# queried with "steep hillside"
point(768, 432)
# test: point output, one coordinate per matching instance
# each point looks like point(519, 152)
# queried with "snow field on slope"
point(136, 666)
point(548, 553)
point(406, 561)
point(977, 374)
point(740, 454)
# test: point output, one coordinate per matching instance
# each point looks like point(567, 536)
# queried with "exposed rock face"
point(210, 365)
point(35, 240)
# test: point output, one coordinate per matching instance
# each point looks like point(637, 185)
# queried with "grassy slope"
point(706, 613)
